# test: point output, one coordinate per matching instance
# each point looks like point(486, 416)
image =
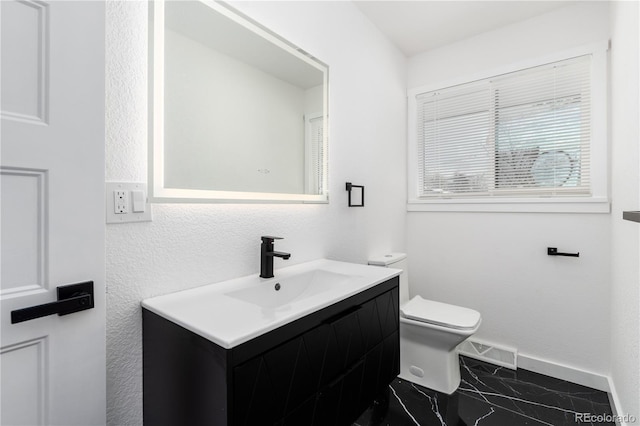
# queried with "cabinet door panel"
point(370, 323)
point(390, 361)
point(252, 378)
point(280, 362)
point(349, 337)
point(388, 313)
point(322, 349)
point(303, 381)
point(327, 404)
point(351, 388)
point(315, 341)
point(395, 303)
point(302, 415)
point(371, 377)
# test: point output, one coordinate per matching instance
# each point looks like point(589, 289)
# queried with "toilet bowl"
point(430, 331)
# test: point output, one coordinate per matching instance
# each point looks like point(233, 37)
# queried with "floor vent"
point(488, 352)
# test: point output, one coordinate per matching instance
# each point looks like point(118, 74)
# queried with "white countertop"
point(229, 321)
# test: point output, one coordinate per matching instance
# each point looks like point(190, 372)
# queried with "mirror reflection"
point(243, 112)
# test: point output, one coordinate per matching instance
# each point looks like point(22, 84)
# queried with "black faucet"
point(267, 253)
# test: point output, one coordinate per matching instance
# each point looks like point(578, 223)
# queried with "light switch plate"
point(120, 202)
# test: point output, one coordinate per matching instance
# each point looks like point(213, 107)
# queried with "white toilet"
point(429, 334)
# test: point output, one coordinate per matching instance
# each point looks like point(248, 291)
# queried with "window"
point(521, 136)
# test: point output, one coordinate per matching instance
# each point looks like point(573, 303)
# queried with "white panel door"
point(52, 209)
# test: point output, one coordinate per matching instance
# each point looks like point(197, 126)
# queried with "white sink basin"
point(290, 289)
point(235, 311)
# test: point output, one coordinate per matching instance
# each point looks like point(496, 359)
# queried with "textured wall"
point(191, 245)
point(553, 309)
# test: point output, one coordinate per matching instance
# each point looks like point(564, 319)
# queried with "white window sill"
point(513, 205)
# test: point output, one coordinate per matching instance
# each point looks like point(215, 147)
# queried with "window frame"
point(597, 202)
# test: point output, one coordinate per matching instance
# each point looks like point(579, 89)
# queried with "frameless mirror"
point(237, 114)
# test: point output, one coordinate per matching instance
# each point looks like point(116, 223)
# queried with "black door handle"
point(71, 298)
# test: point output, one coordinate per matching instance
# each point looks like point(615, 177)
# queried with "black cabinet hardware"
point(552, 251)
point(71, 298)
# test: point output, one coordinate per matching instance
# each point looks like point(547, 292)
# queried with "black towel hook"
point(349, 187)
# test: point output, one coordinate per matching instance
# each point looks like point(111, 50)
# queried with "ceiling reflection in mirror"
point(239, 113)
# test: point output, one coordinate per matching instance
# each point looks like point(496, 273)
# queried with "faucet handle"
point(268, 239)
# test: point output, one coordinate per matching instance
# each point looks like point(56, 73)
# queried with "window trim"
point(598, 202)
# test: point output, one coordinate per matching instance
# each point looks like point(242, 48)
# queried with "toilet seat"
point(441, 314)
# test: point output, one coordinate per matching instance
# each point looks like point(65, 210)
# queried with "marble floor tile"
point(491, 395)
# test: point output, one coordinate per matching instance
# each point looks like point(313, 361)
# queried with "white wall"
point(570, 26)
point(552, 309)
point(191, 245)
point(625, 247)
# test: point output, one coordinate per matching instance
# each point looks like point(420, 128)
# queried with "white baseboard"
point(614, 401)
point(564, 372)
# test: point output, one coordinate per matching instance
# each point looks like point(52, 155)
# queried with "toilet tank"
point(397, 261)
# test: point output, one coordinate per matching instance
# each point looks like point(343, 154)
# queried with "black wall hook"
point(553, 251)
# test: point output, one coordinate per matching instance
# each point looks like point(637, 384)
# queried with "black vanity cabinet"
point(323, 369)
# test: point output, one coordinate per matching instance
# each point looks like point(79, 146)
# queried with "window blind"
point(521, 134)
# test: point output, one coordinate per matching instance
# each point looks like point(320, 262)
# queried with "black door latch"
point(71, 298)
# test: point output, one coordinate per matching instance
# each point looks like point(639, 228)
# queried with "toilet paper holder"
point(553, 251)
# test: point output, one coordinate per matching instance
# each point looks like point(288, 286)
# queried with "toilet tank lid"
point(387, 259)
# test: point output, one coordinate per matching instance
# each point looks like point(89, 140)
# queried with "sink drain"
point(277, 286)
